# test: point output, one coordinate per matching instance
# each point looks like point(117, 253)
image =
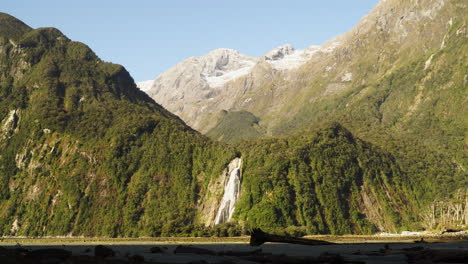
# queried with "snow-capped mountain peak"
point(279, 52)
point(286, 57)
point(223, 65)
point(188, 88)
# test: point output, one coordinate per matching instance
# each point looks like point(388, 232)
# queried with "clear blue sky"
point(148, 37)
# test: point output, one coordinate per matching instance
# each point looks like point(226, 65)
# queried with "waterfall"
point(231, 192)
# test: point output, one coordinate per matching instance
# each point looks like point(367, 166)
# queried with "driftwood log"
point(258, 237)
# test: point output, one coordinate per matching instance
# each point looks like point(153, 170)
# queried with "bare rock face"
point(280, 52)
point(10, 123)
point(199, 87)
point(185, 87)
point(198, 78)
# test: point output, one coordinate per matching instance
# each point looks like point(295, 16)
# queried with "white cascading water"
point(231, 192)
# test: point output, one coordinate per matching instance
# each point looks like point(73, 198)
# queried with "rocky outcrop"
point(10, 124)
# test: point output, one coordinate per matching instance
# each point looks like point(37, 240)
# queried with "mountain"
point(387, 73)
point(84, 152)
point(87, 153)
point(398, 80)
point(197, 87)
point(197, 79)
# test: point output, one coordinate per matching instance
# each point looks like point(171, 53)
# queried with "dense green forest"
point(327, 181)
point(84, 152)
point(236, 126)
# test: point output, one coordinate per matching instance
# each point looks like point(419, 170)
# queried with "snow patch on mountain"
point(279, 52)
point(286, 57)
point(224, 65)
point(224, 77)
point(145, 85)
point(189, 88)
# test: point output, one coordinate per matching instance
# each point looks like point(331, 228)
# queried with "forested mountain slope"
point(398, 79)
point(84, 152)
point(402, 70)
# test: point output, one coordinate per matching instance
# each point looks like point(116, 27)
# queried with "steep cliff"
point(84, 152)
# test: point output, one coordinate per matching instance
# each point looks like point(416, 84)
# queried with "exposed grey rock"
point(10, 123)
point(280, 52)
point(199, 87)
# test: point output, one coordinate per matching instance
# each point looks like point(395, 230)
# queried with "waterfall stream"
point(231, 192)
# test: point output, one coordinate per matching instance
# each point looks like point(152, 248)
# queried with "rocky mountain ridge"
point(185, 88)
point(340, 74)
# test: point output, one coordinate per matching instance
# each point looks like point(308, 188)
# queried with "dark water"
point(267, 253)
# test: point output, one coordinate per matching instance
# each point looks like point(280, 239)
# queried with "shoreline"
point(345, 239)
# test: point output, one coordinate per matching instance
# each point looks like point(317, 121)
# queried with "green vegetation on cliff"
point(327, 181)
point(84, 152)
point(236, 126)
point(398, 80)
